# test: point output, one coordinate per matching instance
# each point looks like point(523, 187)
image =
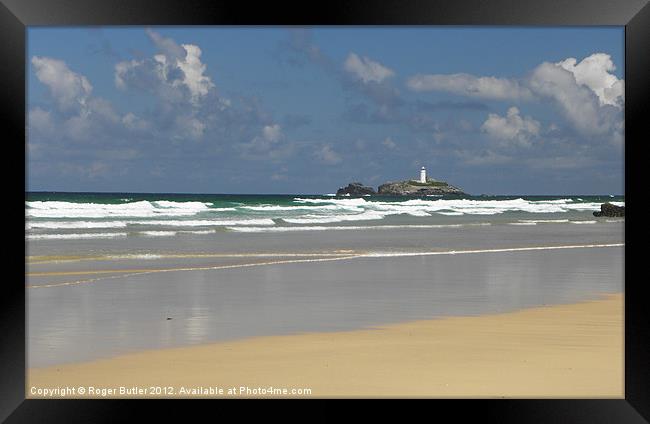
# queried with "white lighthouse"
point(423, 175)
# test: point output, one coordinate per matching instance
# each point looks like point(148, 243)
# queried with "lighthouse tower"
point(423, 175)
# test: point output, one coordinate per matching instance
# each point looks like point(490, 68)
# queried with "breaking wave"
point(57, 217)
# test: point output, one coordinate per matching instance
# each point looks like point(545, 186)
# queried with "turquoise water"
point(110, 215)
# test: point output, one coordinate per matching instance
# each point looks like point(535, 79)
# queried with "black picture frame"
point(17, 15)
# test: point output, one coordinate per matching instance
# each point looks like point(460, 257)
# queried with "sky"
point(492, 110)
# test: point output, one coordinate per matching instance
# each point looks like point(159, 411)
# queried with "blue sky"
point(306, 110)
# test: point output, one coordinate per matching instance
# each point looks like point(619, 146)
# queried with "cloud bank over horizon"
point(181, 116)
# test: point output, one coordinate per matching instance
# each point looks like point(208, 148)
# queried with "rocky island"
point(417, 188)
point(355, 189)
point(422, 187)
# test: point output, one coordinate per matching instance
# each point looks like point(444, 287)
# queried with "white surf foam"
point(124, 223)
point(316, 219)
point(74, 224)
point(143, 208)
point(74, 236)
point(205, 222)
point(158, 233)
point(343, 202)
point(545, 221)
point(307, 211)
point(424, 207)
point(271, 208)
point(347, 227)
point(510, 249)
point(198, 232)
point(183, 205)
point(136, 256)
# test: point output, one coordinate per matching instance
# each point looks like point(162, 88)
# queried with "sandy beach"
point(572, 351)
point(121, 308)
point(498, 310)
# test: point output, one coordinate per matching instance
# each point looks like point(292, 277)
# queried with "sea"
point(69, 216)
point(111, 273)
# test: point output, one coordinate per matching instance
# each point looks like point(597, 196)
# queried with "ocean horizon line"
point(309, 194)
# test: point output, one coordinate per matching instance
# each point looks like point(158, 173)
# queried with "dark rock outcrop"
point(416, 188)
point(607, 209)
point(355, 189)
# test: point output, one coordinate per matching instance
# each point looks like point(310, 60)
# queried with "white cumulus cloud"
point(590, 97)
point(133, 122)
point(327, 155)
point(470, 85)
point(578, 103)
point(40, 120)
point(167, 73)
point(511, 128)
point(193, 70)
point(267, 145)
point(68, 88)
point(367, 70)
point(272, 133)
point(85, 117)
point(189, 127)
point(594, 72)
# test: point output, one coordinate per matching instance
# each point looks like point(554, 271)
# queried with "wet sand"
point(568, 351)
point(89, 310)
point(484, 311)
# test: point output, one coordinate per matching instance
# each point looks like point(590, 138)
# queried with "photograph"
point(325, 212)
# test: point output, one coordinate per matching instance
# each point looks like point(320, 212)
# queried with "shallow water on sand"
point(128, 311)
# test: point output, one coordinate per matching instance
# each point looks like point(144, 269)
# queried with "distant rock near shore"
point(607, 209)
point(355, 189)
point(401, 188)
